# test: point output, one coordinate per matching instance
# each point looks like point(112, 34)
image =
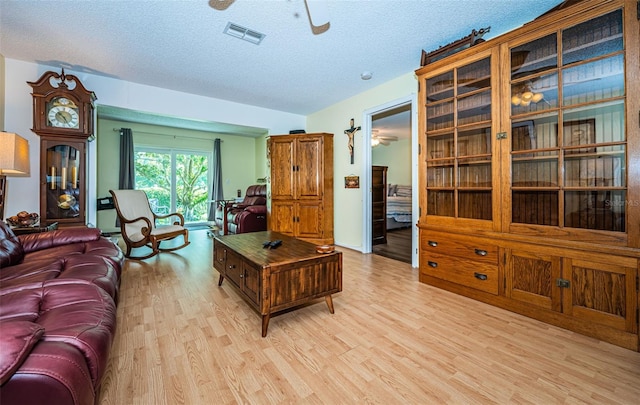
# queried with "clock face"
point(63, 113)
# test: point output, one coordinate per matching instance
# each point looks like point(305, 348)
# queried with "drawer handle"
point(432, 264)
point(232, 266)
point(432, 243)
point(481, 252)
point(480, 276)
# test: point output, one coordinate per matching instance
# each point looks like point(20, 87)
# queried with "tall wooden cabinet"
point(300, 187)
point(378, 205)
point(530, 170)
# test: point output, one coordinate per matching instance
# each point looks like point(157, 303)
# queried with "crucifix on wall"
point(350, 132)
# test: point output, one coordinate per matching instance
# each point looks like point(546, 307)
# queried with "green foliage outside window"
point(153, 175)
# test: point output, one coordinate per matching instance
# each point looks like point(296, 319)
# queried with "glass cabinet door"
point(63, 186)
point(568, 146)
point(458, 140)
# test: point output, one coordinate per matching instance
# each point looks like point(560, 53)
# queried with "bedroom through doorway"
point(391, 174)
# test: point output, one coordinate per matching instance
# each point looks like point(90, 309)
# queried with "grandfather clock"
point(63, 118)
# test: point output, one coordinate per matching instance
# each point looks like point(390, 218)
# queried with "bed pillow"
point(403, 191)
point(392, 190)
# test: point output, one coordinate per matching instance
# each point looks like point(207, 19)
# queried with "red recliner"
point(250, 215)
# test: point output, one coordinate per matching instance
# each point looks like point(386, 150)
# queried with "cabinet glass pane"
point(593, 38)
point(603, 210)
point(474, 108)
point(536, 133)
point(474, 142)
point(474, 173)
point(535, 207)
point(593, 81)
point(63, 188)
point(440, 174)
point(440, 116)
point(534, 57)
point(540, 170)
point(600, 123)
point(440, 146)
point(475, 76)
point(440, 87)
point(440, 202)
point(595, 169)
point(474, 204)
point(458, 138)
point(535, 94)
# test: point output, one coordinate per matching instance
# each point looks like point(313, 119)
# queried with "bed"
point(398, 206)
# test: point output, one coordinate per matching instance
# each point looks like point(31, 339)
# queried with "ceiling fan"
point(381, 139)
point(317, 11)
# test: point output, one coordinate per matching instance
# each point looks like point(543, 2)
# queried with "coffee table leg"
point(265, 324)
point(329, 302)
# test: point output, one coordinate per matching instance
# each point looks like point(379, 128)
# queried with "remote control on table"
point(276, 243)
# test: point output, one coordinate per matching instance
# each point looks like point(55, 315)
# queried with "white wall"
point(23, 193)
point(348, 203)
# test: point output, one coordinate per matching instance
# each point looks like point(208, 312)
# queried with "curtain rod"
point(174, 136)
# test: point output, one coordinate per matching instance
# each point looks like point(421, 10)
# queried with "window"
point(175, 181)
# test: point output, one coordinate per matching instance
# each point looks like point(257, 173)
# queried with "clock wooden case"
point(63, 118)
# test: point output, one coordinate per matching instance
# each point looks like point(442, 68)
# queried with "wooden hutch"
point(300, 186)
point(530, 170)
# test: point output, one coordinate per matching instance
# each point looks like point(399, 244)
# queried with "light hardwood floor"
point(181, 339)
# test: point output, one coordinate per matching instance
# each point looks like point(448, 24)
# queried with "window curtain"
point(127, 176)
point(216, 184)
point(127, 179)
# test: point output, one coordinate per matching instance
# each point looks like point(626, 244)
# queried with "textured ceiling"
point(179, 45)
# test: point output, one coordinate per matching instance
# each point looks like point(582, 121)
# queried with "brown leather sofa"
point(250, 215)
point(58, 295)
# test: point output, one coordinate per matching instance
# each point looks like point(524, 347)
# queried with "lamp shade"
point(14, 154)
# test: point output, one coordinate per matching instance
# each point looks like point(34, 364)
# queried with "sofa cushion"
point(16, 341)
point(11, 251)
point(75, 312)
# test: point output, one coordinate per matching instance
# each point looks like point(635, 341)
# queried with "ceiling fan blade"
point(385, 142)
point(388, 137)
point(318, 12)
point(221, 4)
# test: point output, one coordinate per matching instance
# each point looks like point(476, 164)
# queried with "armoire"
point(529, 170)
point(300, 186)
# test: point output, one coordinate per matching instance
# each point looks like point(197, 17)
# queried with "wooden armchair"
point(138, 224)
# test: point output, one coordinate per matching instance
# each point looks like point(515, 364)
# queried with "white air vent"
point(241, 32)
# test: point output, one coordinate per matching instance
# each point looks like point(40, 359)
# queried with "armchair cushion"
point(17, 340)
point(254, 200)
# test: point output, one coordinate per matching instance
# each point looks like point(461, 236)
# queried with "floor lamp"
point(14, 159)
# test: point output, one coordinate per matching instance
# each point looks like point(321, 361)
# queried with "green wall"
point(397, 157)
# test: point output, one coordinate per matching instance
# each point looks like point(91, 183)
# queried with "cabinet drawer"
point(470, 273)
point(218, 257)
point(233, 269)
point(481, 251)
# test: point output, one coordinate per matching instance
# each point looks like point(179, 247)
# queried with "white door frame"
point(366, 171)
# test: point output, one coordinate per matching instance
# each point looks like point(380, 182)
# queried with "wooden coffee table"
point(272, 280)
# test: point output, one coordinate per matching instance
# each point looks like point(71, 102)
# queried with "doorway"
point(391, 140)
point(391, 183)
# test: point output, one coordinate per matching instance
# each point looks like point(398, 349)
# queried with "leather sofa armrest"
point(257, 209)
point(37, 241)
